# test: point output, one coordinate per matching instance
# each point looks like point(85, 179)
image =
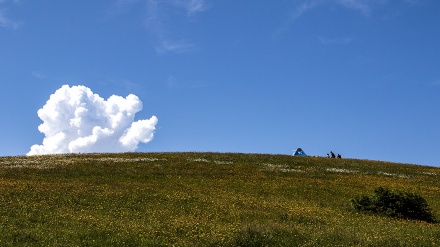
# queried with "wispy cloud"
point(301, 9)
point(179, 46)
point(125, 2)
point(120, 6)
point(297, 12)
point(159, 18)
point(6, 22)
point(335, 41)
point(413, 1)
point(195, 6)
point(361, 5)
point(436, 83)
point(191, 6)
point(38, 74)
point(365, 7)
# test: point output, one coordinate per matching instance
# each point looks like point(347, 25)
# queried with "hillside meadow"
point(206, 199)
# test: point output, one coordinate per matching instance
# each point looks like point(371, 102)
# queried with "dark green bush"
point(405, 205)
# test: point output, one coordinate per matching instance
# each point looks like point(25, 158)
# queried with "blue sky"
point(359, 77)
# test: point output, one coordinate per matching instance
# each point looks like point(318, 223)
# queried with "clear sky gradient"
point(358, 77)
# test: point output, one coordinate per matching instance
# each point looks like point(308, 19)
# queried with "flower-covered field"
point(205, 199)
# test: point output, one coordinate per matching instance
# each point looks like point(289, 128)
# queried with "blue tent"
point(299, 152)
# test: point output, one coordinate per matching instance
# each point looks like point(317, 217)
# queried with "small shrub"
point(252, 238)
point(405, 205)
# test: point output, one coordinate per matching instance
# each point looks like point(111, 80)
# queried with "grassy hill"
point(206, 199)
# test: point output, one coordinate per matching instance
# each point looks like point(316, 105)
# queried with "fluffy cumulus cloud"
point(76, 120)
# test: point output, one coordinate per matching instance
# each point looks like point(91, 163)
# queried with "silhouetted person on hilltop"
point(332, 154)
point(339, 156)
point(328, 156)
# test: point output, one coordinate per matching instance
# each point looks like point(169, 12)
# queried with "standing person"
point(332, 154)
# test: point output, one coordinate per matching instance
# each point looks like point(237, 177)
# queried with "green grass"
point(206, 199)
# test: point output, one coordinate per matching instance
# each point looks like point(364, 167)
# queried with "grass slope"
point(205, 199)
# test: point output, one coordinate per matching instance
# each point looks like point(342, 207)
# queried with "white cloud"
point(38, 74)
point(159, 17)
point(436, 83)
point(366, 7)
point(179, 46)
point(360, 5)
point(7, 23)
point(335, 41)
point(77, 120)
point(191, 6)
point(120, 7)
point(301, 9)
